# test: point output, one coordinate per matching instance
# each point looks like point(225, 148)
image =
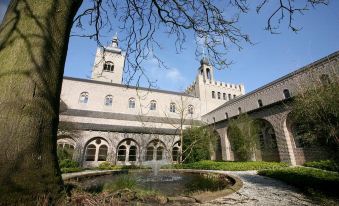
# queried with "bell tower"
point(206, 70)
point(109, 63)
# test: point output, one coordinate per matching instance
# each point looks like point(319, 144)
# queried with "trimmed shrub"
point(307, 178)
point(67, 163)
point(329, 165)
point(106, 166)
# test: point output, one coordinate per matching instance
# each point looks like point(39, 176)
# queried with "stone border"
point(207, 195)
point(196, 197)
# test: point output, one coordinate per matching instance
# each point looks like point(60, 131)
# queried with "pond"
point(168, 183)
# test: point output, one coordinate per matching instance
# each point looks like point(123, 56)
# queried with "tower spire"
point(115, 41)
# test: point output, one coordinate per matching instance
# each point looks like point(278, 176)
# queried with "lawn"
point(228, 166)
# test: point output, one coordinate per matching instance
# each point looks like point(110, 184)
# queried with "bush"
point(307, 178)
point(70, 170)
point(243, 135)
point(329, 165)
point(122, 182)
point(106, 166)
point(228, 166)
point(198, 144)
point(67, 163)
point(63, 154)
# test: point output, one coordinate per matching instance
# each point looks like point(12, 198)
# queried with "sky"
point(270, 57)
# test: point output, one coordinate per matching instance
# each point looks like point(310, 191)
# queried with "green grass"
point(307, 179)
point(329, 165)
point(122, 182)
point(228, 166)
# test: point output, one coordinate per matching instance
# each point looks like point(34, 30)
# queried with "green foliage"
point(228, 166)
point(71, 169)
point(67, 163)
point(122, 182)
point(307, 178)
point(198, 143)
point(329, 165)
point(243, 136)
point(206, 182)
point(317, 113)
point(107, 166)
point(63, 154)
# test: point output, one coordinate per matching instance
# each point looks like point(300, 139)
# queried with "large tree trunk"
point(33, 45)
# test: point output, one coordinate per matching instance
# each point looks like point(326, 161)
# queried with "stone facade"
point(99, 115)
point(272, 104)
point(102, 119)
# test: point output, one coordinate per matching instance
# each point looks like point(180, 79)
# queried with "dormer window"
point(108, 66)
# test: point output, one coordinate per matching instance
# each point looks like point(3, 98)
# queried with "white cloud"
point(174, 75)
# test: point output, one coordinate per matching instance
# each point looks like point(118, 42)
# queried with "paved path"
point(259, 190)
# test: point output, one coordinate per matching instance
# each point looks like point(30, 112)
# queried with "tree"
point(33, 45)
point(243, 134)
point(315, 110)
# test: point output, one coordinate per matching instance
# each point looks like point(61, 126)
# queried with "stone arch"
point(267, 147)
point(217, 148)
point(304, 151)
point(128, 152)
point(67, 144)
point(156, 150)
point(175, 151)
point(96, 151)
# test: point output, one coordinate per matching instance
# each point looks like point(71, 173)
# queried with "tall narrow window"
point(159, 153)
point(90, 152)
point(131, 103)
point(132, 156)
point(153, 105)
point(229, 96)
point(122, 153)
point(286, 93)
point(108, 100)
point(83, 98)
point(175, 154)
point(239, 110)
point(260, 104)
point(190, 109)
point(208, 72)
point(213, 119)
point(224, 96)
point(219, 95)
point(213, 94)
point(226, 115)
point(149, 153)
point(172, 107)
point(234, 96)
point(102, 153)
point(108, 66)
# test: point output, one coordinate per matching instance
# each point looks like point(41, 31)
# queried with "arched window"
point(132, 156)
point(149, 153)
point(190, 109)
point(67, 145)
point(108, 100)
point(213, 94)
point(131, 103)
point(83, 98)
point(229, 96)
point(108, 66)
point(213, 119)
point(153, 105)
point(159, 153)
point(122, 153)
point(239, 110)
point(260, 104)
point(90, 152)
point(234, 96)
point(208, 72)
point(219, 95)
point(172, 107)
point(175, 154)
point(102, 156)
point(226, 115)
point(224, 96)
point(325, 79)
point(286, 93)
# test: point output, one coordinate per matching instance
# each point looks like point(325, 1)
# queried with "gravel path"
point(259, 190)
